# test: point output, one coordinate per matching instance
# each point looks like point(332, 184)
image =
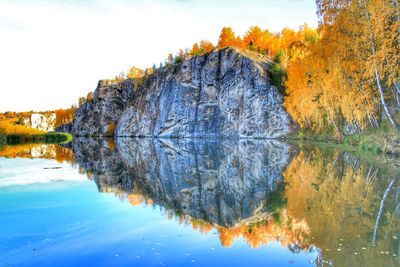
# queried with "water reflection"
point(221, 183)
point(343, 206)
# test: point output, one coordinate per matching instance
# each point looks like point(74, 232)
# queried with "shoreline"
point(362, 143)
point(47, 138)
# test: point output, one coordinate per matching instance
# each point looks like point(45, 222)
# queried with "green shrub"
point(21, 121)
point(278, 73)
point(178, 59)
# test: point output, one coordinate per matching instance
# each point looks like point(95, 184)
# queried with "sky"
point(54, 51)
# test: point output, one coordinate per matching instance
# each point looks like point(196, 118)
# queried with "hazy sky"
point(52, 52)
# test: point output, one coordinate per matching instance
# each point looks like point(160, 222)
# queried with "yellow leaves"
point(341, 65)
point(111, 129)
point(227, 38)
point(195, 50)
point(327, 83)
point(287, 231)
point(38, 150)
point(64, 116)
point(8, 128)
point(135, 73)
point(204, 47)
point(328, 192)
point(260, 40)
point(22, 150)
point(135, 199)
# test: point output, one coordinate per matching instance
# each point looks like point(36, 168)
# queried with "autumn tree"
point(344, 77)
point(254, 38)
point(134, 73)
point(370, 50)
point(81, 101)
point(64, 116)
point(206, 46)
point(227, 38)
point(195, 50)
point(89, 96)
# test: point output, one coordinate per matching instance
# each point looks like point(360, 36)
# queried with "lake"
point(183, 202)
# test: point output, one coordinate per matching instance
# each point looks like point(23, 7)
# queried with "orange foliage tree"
point(227, 37)
point(64, 116)
point(350, 73)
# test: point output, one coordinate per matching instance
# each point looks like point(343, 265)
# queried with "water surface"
point(170, 202)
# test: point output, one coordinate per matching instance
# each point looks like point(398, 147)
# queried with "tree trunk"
point(378, 217)
point(397, 92)
point(383, 102)
point(337, 128)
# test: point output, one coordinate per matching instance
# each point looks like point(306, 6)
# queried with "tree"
point(81, 101)
point(227, 38)
point(135, 72)
point(254, 36)
point(89, 96)
point(195, 50)
point(344, 76)
point(170, 59)
point(206, 46)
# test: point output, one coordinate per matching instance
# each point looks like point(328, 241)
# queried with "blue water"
point(57, 217)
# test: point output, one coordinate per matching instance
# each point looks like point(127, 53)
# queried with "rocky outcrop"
point(221, 182)
point(64, 128)
point(100, 115)
point(41, 122)
point(221, 94)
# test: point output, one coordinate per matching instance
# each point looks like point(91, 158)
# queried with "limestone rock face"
point(100, 115)
point(224, 93)
point(64, 128)
point(43, 122)
point(220, 94)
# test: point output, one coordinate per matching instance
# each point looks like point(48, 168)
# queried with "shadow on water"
point(345, 207)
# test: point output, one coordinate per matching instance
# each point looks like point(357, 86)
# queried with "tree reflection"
point(343, 206)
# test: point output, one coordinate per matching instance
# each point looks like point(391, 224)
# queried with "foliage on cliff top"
point(343, 74)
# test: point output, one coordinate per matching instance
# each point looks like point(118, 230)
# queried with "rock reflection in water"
point(222, 183)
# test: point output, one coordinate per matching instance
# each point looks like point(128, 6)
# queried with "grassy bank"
point(47, 138)
point(376, 140)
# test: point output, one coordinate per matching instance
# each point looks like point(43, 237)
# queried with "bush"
point(111, 129)
point(178, 59)
point(278, 73)
point(21, 121)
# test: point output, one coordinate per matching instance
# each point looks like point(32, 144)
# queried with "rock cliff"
point(224, 93)
point(100, 115)
point(43, 122)
point(64, 128)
